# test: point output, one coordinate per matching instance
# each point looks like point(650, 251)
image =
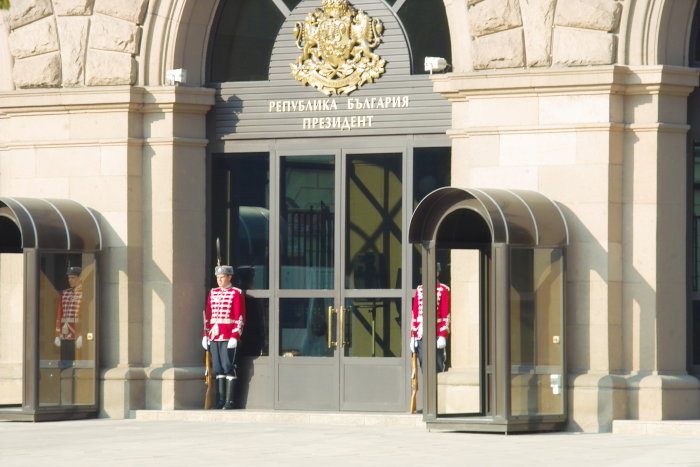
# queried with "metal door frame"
point(340, 147)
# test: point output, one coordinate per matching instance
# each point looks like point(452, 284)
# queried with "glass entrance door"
point(340, 282)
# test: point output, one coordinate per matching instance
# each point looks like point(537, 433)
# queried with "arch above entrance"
point(514, 217)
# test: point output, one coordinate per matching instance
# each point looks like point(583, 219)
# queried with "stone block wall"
point(542, 33)
point(73, 43)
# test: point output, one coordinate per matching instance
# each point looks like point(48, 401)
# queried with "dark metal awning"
point(52, 224)
point(513, 217)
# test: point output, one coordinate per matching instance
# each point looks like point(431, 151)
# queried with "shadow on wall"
point(627, 345)
point(153, 326)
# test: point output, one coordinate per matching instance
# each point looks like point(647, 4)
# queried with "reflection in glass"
point(374, 216)
point(66, 330)
point(304, 327)
point(241, 217)
point(431, 170)
point(244, 34)
point(372, 327)
point(255, 342)
point(307, 222)
point(537, 384)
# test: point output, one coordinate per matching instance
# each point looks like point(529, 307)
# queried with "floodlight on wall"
point(176, 76)
point(435, 64)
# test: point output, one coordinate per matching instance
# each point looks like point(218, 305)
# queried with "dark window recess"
point(240, 216)
point(431, 170)
point(291, 4)
point(695, 338)
point(242, 44)
point(696, 217)
point(426, 25)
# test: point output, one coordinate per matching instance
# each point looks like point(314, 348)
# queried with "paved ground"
point(186, 443)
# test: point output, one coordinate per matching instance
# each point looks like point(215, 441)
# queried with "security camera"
point(176, 76)
point(435, 64)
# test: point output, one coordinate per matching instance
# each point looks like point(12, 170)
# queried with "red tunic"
point(224, 315)
point(68, 316)
point(443, 312)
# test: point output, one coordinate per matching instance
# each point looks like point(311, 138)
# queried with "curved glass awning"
point(513, 217)
point(51, 224)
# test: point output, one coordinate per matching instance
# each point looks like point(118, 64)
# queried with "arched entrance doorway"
point(518, 320)
point(312, 178)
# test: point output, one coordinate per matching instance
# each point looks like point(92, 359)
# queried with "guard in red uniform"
point(68, 329)
point(443, 322)
point(224, 318)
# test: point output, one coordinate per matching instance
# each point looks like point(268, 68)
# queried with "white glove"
point(79, 342)
point(232, 343)
point(441, 342)
point(205, 343)
point(57, 341)
point(413, 344)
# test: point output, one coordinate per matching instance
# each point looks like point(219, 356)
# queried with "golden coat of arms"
point(336, 43)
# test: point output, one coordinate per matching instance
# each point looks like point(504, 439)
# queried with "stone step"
point(283, 416)
point(660, 427)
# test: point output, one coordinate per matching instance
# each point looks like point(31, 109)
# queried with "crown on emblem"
point(341, 6)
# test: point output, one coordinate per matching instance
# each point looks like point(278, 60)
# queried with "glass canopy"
point(507, 345)
point(49, 291)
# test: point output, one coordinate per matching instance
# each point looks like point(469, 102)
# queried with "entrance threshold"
point(283, 417)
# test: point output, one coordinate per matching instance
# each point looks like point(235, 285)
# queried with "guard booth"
point(48, 310)
point(515, 352)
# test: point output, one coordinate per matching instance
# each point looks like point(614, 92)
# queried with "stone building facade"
point(585, 101)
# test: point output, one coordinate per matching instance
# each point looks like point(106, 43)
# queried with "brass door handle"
point(331, 342)
point(342, 341)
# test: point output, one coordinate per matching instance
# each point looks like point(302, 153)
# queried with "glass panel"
point(372, 327)
point(696, 333)
point(696, 217)
point(304, 327)
point(11, 322)
point(240, 216)
point(255, 341)
point(373, 228)
point(425, 22)
point(536, 304)
point(66, 330)
point(431, 170)
point(243, 39)
point(307, 222)
point(459, 390)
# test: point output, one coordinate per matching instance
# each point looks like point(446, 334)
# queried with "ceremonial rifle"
point(208, 375)
point(209, 379)
point(414, 381)
point(208, 371)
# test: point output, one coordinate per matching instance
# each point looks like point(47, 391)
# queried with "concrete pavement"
point(138, 442)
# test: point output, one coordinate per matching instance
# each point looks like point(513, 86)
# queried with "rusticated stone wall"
point(541, 33)
point(73, 43)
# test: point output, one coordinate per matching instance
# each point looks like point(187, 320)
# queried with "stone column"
point(655, 247)
point(174, 244)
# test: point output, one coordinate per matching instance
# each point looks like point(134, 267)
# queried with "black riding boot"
point(230, 393)
point(221, 385)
